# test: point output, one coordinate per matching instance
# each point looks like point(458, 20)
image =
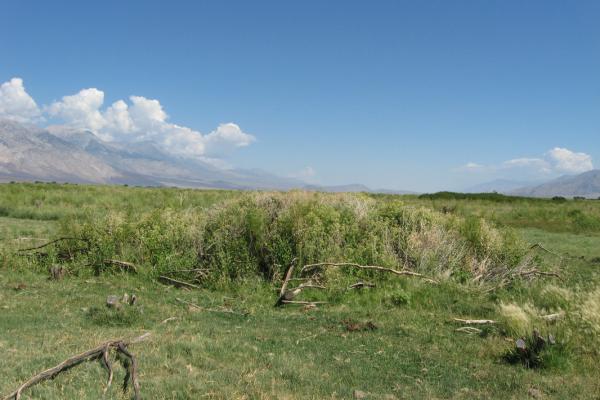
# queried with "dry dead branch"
point(468, 329)
point(304, 303)
point(474, 321)
point(174, 282)
point(124, 265)
point(168, 320)
point(60, 239)
point(361, 285)
point(535, 271)
point(310, 267)
point(539, 246)
point(99, 352)
point(552, 317)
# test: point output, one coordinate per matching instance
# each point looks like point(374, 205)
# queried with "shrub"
point(259, 234)
point(398, 299)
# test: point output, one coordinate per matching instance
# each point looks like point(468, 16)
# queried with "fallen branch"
point(539, 246)
point(99, 352)
point(468, 329)
point(176, 283)
point(553, 317)
point(361, 285)
point(309, 267)
point(54, 241)
point(474, 321)
point(124, 265)
point(283, 291)
point(535, 271)
point(303, 302)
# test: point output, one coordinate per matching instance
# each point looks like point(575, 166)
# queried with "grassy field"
point(395, 341)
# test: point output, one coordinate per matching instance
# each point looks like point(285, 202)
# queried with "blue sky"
point(422, 95)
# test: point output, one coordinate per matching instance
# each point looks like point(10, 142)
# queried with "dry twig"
point(474, 321)
point(60, 239)
point(176, 283)
point(309, 267)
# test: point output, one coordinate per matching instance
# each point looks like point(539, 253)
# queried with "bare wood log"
point(177, 283)
point(60, 239)
point(474, 321)
point(119, 345)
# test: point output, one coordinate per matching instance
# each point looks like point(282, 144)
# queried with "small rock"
point(359, 394)
point(112, 302)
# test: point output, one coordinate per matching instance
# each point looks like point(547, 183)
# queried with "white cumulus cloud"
point(565, 160)
point(16, 104)
point(554, 162)
point(139, 119)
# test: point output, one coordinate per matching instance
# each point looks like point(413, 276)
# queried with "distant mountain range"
point(62, 154)
point(499, 185)
point(586, 184)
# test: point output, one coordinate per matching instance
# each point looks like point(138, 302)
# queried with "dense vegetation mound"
point(259, 234)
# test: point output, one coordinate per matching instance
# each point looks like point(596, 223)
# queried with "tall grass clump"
point(589, 311)
point(259, 234)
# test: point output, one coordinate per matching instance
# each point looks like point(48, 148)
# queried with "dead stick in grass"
point(536, 271)
point(176, 283)
point(539, 246)
point(474, 321)
point(60, 239)
point(309, 267)
point(124, 265)
point(119, 345)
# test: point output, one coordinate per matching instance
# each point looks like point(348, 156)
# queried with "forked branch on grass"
point(287, 296)
point(99, 352)
point(310, 267)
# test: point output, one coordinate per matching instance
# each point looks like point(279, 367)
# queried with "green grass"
point(262, 352)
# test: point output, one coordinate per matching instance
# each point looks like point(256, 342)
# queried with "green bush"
point(259, 234)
